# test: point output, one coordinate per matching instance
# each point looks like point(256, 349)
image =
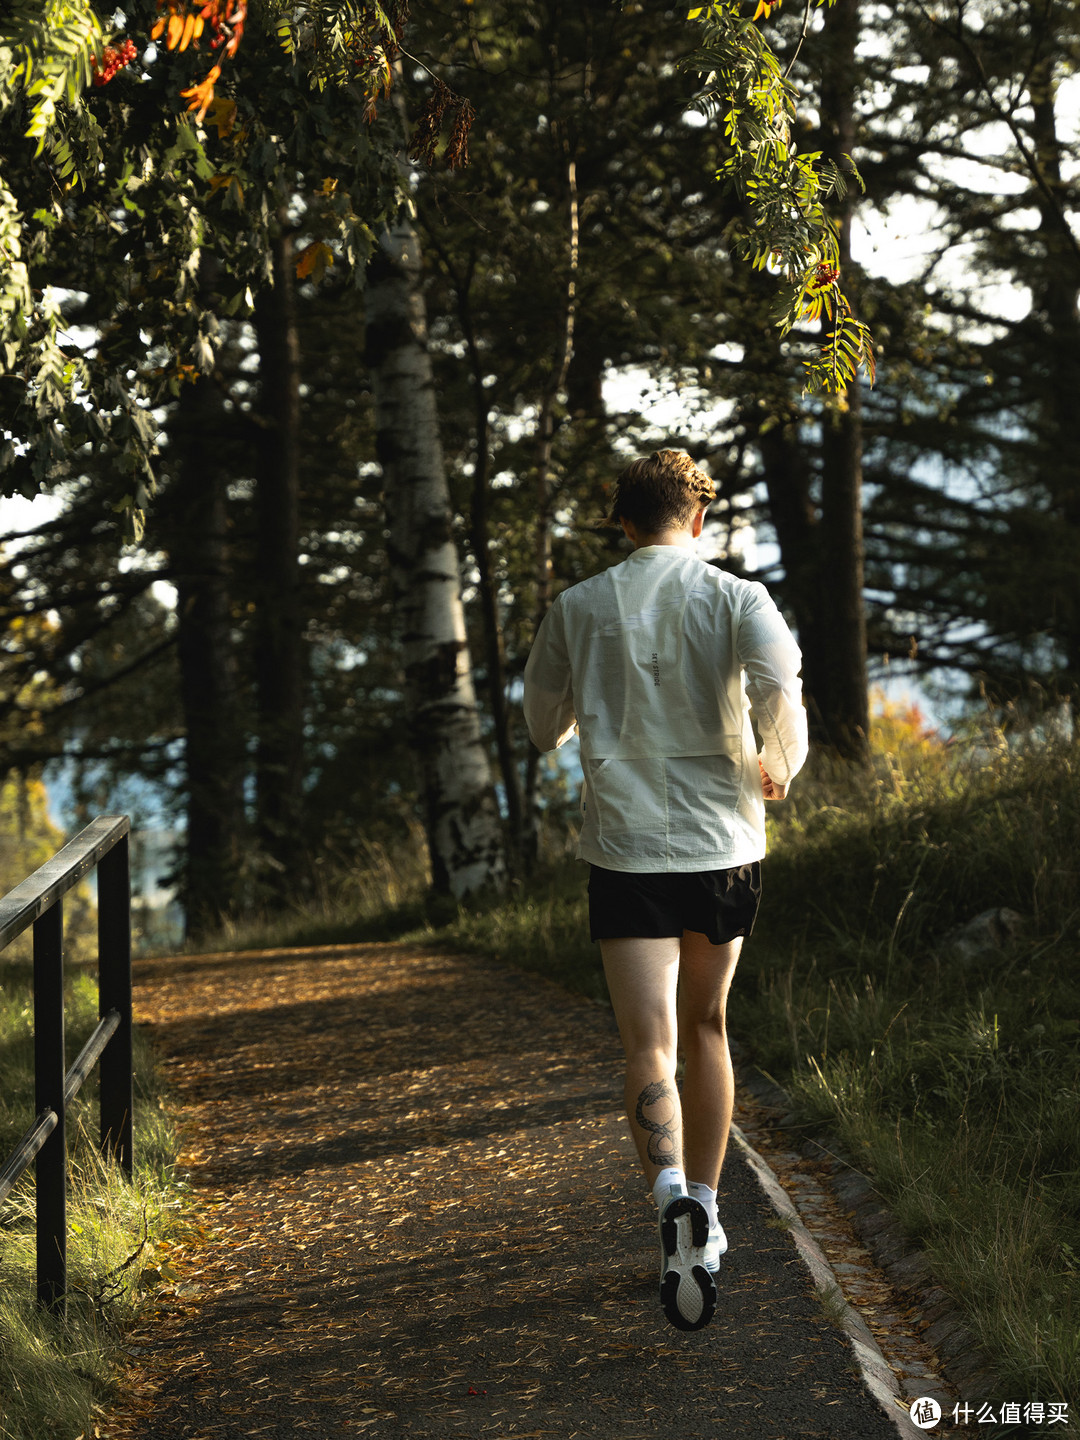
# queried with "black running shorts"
point(720, 904)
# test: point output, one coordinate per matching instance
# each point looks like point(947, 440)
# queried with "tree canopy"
point(189, 231)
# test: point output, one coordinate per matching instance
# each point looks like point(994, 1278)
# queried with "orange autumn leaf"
point(200, 97)
point(193, 28)
point(313, 260)
point(181, 28)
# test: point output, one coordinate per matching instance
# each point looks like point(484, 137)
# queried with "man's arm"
point(548, 701)
point(771, 659)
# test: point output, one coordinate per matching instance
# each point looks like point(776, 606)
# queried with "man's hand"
point(769, 787)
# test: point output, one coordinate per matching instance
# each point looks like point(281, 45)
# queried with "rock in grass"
point(989, 933)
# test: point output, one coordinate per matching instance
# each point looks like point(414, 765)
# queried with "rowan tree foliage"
point(787, 228)
point(133, 179)
point(965, 143)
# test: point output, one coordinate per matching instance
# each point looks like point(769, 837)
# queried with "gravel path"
point(425, 1219)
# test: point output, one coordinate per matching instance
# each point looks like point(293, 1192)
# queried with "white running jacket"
point(656, 663)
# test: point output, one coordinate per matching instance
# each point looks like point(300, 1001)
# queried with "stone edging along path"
point(425, 1220)
point(877, 1374)
point(906, 1331)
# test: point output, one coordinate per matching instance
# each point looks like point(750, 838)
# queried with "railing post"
point(114, 993)
point(51, 1164)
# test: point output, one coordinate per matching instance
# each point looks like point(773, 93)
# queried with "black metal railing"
point(38, 901)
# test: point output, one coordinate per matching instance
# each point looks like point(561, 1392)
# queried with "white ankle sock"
point(707, 1197)
point(670, 1175)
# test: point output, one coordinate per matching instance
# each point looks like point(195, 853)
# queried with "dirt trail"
point(426, 1219)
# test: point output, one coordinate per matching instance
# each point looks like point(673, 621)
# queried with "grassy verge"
point(55, 1375)
point(954, 1078)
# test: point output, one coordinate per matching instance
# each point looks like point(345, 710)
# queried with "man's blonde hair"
point(663, 491)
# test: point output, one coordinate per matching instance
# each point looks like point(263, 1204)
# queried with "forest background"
point(322, 458)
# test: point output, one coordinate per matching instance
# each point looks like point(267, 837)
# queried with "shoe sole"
point(687, 1289)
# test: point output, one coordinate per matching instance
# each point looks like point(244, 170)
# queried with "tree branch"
point(1007, 117)
point(802, 37)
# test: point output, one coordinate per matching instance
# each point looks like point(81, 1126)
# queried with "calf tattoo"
point(657, 1109)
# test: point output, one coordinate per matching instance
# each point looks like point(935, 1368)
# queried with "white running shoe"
point(715, 1246)
point(687, 1290)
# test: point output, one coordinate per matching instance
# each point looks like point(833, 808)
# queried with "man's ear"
point(699, 521)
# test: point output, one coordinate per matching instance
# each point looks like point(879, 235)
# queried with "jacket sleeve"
point(771, 661)
point(549, 701)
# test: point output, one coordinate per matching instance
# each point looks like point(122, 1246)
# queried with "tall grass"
point(155, 1140)
point(380, 896)
point(55, 1374)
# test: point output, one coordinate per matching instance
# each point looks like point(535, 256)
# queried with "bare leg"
point(705, 975)
point(642, 977)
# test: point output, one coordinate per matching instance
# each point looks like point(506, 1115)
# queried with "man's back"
point(649, 657)
point(656, 648)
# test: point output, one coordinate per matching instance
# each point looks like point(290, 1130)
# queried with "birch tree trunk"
point(463, 827)
point(487, 585)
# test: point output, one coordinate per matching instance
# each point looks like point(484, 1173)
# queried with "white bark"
point(463, 827)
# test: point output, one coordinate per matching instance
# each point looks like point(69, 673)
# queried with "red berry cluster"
point(115, 57)
point(824, 275)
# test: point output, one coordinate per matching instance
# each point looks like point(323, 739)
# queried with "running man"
point(657, 663)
